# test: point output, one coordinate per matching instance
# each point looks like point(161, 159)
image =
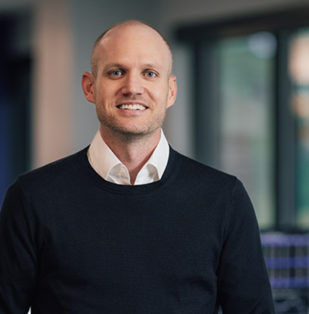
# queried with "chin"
point(135, 132)
point(130, 130)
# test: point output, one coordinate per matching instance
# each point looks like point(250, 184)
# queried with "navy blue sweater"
point(71, 242)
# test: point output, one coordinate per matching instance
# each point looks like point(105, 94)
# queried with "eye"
point(115, 73)
point(151, 74)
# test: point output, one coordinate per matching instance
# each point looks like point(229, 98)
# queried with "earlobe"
point(88, 86)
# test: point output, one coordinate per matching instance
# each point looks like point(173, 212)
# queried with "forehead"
point(133, 44)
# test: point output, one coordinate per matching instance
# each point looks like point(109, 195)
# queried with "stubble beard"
point(132, 134)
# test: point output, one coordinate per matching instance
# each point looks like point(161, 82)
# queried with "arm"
point(243, 285)
point(17, 254)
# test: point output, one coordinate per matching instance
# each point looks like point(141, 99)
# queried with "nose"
point(133, 84)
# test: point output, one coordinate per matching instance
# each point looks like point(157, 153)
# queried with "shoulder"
point(195, 172)
point(217, 183)
point(61, 170)
point(215, 188)
point(208, 183)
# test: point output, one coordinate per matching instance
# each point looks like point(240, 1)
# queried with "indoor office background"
point(243, 103)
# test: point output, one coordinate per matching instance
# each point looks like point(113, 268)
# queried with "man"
point(129, 225)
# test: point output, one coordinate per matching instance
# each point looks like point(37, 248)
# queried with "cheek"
point(102, 94)
point(160, 93)
point(110, 91)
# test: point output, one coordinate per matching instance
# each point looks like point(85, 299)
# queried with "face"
point(133, 86)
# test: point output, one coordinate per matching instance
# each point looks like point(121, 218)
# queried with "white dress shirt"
point(110, 168)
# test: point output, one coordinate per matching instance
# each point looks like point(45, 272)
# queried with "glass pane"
point(299, 73)
point(246, 129)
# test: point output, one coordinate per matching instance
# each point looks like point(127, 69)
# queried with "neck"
point(133, 152)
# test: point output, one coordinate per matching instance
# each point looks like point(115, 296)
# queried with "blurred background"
point(243, 105)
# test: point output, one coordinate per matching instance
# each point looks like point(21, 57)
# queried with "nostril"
point(130, 92)
point(132, 86)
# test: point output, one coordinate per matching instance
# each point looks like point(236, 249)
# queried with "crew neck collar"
point(169, 174)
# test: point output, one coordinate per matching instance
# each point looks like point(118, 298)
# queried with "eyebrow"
point(113, 65)
point(119, 65)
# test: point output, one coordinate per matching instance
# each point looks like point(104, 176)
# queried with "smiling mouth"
point(132, 107)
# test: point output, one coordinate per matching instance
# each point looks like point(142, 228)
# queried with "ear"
point(88, 86)
point(172, 93)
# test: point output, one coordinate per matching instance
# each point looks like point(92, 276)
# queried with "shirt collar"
point(159, 157)
point(110, 168)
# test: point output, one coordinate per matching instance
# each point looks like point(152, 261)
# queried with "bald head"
point(128, 28)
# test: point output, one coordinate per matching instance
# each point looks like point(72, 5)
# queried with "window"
point(251, 115)
point(246, 66)
point(251, 95)
point(299, 75)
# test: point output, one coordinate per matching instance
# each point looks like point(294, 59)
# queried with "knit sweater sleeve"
point(243, 285)
point(18, 253)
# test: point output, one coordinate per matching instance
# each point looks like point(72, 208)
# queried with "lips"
point(132, 106)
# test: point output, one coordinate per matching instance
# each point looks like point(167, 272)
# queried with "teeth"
point(132, 107)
